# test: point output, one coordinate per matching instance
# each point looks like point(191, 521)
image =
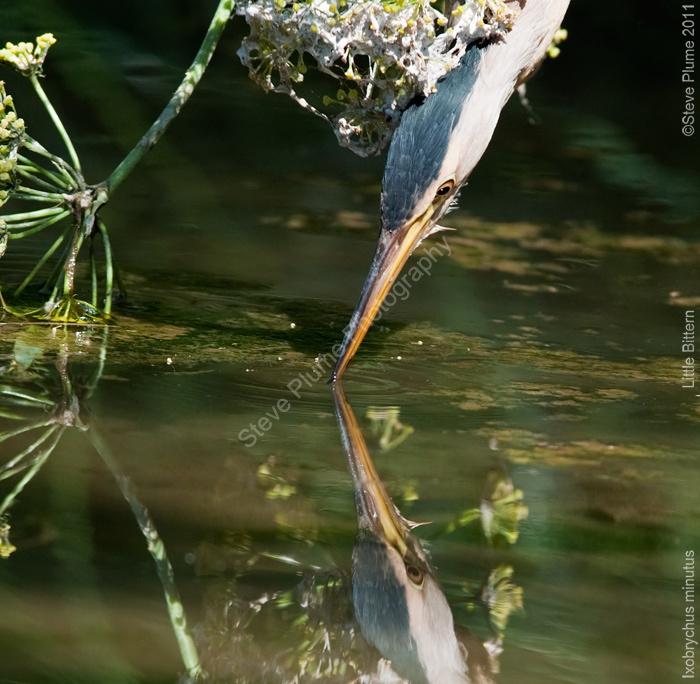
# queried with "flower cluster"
point(11, 135)
point(27, 58)
point(382, 54)
point(554, 50)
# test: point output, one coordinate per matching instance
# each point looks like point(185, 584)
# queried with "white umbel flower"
point(381, 55)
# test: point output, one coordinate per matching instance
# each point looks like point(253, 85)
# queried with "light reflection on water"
point(550, 343)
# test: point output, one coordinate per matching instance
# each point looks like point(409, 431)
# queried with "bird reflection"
point(293, 630)
point(398, 602)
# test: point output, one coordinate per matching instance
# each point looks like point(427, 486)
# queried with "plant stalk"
point(42, 261)
point(180, 96)
point(36, 214)
point(57, 122)
point(109, 267)
point(37, 226)
point(56, 431)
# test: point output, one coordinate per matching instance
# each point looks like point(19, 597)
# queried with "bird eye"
point(445, 188)
point(415, 575)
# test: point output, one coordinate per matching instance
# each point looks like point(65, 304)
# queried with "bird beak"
point(393, 250)
point(376, 510)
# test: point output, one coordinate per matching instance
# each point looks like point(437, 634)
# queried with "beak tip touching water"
point(393, 250)
point(343, 357)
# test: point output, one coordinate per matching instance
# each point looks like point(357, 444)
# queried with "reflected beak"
point(376, 511)
point(393, 250)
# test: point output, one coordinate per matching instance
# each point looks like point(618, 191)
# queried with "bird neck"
point(504, 65)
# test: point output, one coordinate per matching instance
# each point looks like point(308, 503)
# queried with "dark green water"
point(547, 348)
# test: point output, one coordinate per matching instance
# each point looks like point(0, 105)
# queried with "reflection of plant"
point(6, 548)
point(316, 636)
point(502, 508)
point(501, 596)
point(325, 632)
point(500, 512)
point(56, 189)
point(32, 399)
point(276, 487)
point(156, 548)
point(40, 409)
point(386, 426)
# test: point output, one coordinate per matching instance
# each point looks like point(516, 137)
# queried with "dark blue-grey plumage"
point(420, 143)
point(398, 602)
point(437, 145)
point(381, 609)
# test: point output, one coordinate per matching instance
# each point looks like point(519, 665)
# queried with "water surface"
point(545, 350)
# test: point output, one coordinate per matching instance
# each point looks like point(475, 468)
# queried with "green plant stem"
point(26, 195)
point(90, 386)
point(8, 472)
point(26, 398)
point(13, 433)
point(38, 195)
point(52, 299)
point(38, 228)
point(93, 272)
point(182, 94)
point(118, 279)
point(36, 214)
point(42, 261)
point(57, 122)
point(73, 178)
point(35, 222)
point(71, 263)
point(58, 181)
point(109, 268)
point(56, 272)
point(29, 173)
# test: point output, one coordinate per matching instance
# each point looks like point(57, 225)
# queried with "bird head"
point(398, 602)
point(430, 158)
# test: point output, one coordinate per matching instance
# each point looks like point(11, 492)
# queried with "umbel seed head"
point(380, 54)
